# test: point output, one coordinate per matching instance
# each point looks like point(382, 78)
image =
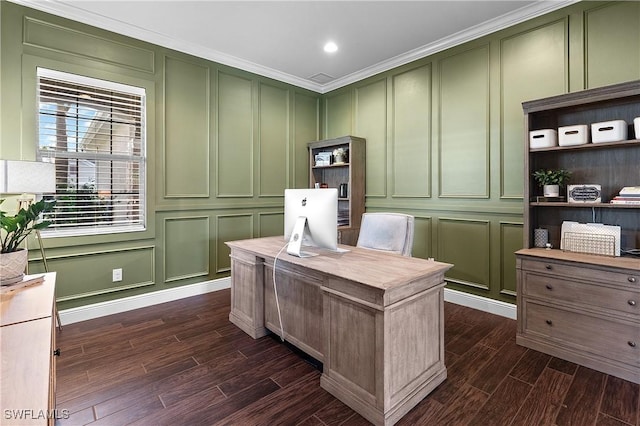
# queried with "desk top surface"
point(28, 303)
point(370, 267)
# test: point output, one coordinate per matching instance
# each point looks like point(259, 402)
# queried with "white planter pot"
point(551, 190)
point(12, 266)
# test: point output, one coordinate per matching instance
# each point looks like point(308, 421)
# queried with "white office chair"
point(387, 232)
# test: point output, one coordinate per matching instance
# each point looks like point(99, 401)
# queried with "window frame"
point(141, 159)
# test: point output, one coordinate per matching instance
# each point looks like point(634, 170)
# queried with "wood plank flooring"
point(184, 363)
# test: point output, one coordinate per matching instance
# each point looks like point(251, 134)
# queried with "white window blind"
point(94, 132)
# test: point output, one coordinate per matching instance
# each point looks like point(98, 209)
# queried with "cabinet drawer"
point(581, 272)
point(615, 340)
point(561, 290)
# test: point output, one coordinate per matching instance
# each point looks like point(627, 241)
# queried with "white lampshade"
point(30, 177)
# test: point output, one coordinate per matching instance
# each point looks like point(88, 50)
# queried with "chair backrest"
point(388, 232)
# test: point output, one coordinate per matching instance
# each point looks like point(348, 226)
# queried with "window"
point(94, 132)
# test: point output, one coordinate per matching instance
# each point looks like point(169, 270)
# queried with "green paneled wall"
point(235, 136)
point(306, 128)
point(448, 140)
point(186, 253)
point(464, 124)
point(613, 34)
point(534, 64)
point(184, 83)
point(222, 144)
point(274, 140)
point(371, 120)
point(411, 133)
point(444, 135)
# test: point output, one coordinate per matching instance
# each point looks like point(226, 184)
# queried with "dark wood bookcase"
point(350, 172)
point(613, 165)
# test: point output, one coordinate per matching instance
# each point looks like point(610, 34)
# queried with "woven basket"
point(12, 266)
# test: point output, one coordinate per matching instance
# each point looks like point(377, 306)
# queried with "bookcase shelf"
point(351, 173)
point(582, 307)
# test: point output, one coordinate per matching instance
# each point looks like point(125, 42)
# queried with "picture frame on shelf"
point(323, 159)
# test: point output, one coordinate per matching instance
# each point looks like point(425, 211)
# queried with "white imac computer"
point(310, 219)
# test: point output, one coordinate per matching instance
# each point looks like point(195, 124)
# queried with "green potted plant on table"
point(14, 229)
point(551, 180)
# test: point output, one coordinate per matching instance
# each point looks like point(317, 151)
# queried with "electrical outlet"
point(117, 274)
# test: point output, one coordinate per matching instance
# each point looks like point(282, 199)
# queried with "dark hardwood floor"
point(183, 363)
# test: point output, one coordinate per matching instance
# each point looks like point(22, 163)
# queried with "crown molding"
point(68, 11)
point(505, 21)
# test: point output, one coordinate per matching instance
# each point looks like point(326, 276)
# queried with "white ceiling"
point(284, 39)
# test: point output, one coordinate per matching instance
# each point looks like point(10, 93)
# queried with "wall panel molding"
point(371, 124)
point(137, 264)
point(230, 227)
point(186, 251)
point(45, 35)
point(612, 51)
point(235, 136)
point(271, 224)
point(274, 140)
point(411, 133)
point(510, 242)
point(423, 237)
point(464, 160)
point(533, 64)
point(466, 244)
point(186, 129)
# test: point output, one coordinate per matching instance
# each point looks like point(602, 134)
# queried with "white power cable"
point(275, 291)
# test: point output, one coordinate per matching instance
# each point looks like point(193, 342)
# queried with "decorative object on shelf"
point(540, 237)
point(591, 193)
point(545, 138)
point(591, 238)
point(636, 127)
point(628, 195)
point(22, 177)
point(323, 159)
point(343, 190)
point(551, 180)
point(573, 135)
point(609, 131)
point(340, 155)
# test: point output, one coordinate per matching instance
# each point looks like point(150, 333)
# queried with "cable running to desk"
point(275, 291)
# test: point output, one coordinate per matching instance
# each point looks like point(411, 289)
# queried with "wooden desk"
point(374, 319)
point(27, 339)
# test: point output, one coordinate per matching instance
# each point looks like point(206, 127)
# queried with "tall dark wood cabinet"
point(583, 307)
point(347, 174)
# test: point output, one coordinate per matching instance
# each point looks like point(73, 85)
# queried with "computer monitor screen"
point(311, 219)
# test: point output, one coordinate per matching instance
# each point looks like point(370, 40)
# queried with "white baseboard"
point(96, 310)
point(480, 303)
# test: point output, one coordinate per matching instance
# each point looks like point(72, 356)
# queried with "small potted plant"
point(13, 257)
point(551, 180)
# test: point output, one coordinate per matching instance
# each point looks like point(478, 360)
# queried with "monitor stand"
point(294, 247)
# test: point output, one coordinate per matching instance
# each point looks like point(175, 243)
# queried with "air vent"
point(321, 78)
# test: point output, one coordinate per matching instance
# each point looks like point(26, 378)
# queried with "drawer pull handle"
point(632, 303)
point(632, 344)
point(549, 322)
point(548, 267)
point(631, 279)
point(549, 287)
point(56, 352)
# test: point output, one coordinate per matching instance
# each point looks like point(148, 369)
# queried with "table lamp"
point(25, 178)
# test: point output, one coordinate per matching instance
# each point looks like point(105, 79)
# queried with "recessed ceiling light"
point(330, 47)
